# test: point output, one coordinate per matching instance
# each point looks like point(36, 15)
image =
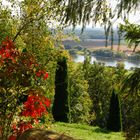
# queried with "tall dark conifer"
point(114, 120)
point(60, 108)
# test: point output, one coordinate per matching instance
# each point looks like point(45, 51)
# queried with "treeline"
point(92, 33)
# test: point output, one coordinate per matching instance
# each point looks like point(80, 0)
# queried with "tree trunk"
point(135, 48)
point(112, 37)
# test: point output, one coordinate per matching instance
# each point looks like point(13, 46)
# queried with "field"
point(123, 48)
point(85, 132)
point(95, 44)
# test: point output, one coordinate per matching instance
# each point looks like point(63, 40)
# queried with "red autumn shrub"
point(19, 72)
point(36, 106)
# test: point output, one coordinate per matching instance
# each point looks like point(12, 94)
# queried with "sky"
point(133, 17)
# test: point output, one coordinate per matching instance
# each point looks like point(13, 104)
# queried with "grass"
point(86, 132)
point(80, 52)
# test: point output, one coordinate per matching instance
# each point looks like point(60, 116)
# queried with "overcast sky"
point(134, 17)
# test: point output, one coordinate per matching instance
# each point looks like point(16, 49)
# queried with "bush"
point(19, 73)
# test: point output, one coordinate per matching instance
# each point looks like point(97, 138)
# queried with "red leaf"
point(46, 75)
point(12, 137)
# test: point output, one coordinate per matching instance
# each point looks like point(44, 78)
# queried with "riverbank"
point(108, 61)
point(97, 44)
point(123, 48)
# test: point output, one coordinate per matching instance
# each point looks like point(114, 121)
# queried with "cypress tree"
point(114, 120)
point(60, 108)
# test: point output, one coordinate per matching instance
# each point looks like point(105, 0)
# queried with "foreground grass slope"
point(86, 132)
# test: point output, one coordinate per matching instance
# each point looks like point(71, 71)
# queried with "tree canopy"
point(65, 12)
point(131, 34)
point(87, 11)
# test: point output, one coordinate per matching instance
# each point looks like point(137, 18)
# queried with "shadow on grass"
point(40, 134)
point(100, 130)
point(82, 127)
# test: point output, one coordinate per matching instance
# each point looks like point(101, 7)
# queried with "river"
point(108, 61)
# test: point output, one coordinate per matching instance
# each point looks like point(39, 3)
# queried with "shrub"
point(19, 73)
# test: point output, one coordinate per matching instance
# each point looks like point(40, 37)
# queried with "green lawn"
point(86, 132)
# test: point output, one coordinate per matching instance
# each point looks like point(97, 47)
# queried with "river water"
point(109, 62)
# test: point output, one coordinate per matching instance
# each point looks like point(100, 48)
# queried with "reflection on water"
point(109, 61)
